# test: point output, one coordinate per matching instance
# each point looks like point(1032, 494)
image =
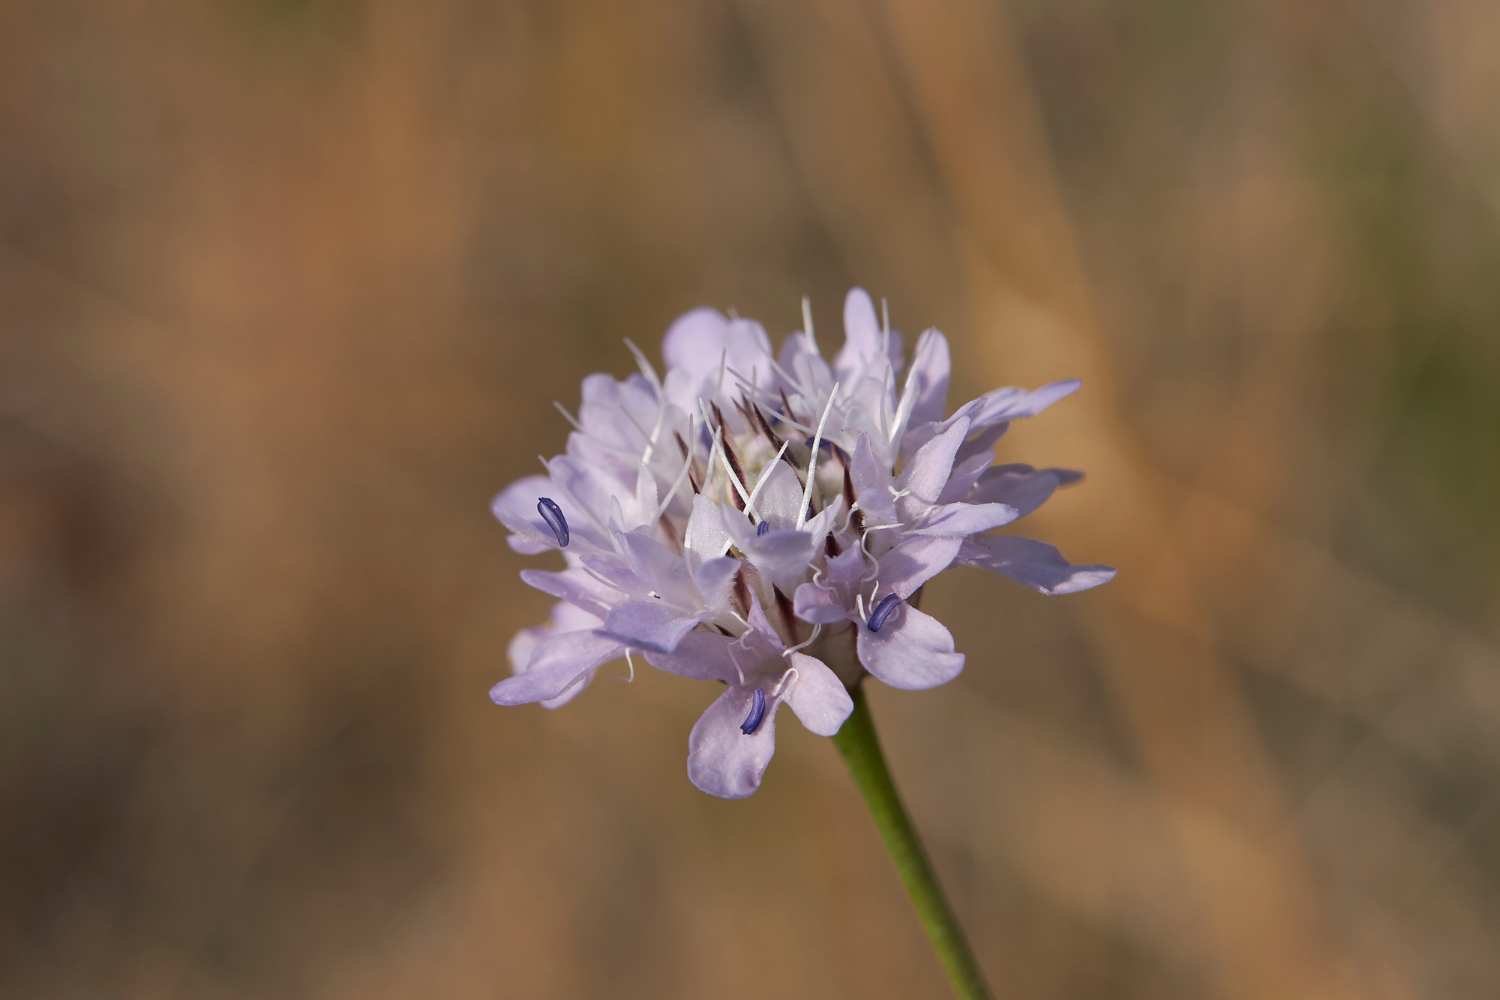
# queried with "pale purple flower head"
point(767, 521)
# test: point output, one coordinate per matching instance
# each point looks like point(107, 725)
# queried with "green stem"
point(861, 749)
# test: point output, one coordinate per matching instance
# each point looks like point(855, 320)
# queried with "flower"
point(768, 521)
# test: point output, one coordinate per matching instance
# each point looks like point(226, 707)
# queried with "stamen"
point(723, 358)
point(765, 477)
point(882, 611)
point(625, 412)
point(791, 378)
point(874, 569)
point(812, 637)
point(807, 325)
point(749, 507)
point(735, 660)
point(597, 575)
point(647, 369)
point(737, 473)
point(661, 416)
point(904, 406)
point(757, 712)
point(553, 515)
point(740, 495)
point(787, 680)
point(568, 416)
point(885, 345)
point(712, 461)
point(630, 664)
point(781, 415)
point(687, 465)
point(812, 462)
point(789, 421)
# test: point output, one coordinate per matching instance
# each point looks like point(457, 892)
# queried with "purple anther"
point(757, 712)
point(883, 609)
point(762, 527)
point(553, 515)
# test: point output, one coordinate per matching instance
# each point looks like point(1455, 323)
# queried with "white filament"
point(645, 365)
point(807, 325)
point(812, 461)
point(568, 416)
point(812, 637)
point(686, 465)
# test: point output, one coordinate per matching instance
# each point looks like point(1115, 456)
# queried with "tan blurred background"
point(287, 291)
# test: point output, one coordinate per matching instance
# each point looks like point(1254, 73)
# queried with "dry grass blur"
point(288, 289)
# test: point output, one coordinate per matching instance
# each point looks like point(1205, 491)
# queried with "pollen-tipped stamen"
point(553, 515)
point(757, 712)
point(882, 611)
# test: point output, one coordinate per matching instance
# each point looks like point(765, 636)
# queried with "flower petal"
point(722, 760)
point(696, 341)
point(780, 497)
point(912, 651)
point(872, 482)
point(964, 518)
point(819, 698)
point(515, 507)
point(655, 568)
point(1011, 403)
point(819, 605)
point(782, 556)
point(933, 462)
point(706, 532)
point(715, 582)
point(1020, 486)
point(650, 625)
point(930, 367)
point(967, 468)
point(699, 342)
point(830, 598)
point(917, 559)
point(576, 587)
point(556, 664)
point(1036, 564)
point(862, 334)
point(801, 359)
point(704, 656)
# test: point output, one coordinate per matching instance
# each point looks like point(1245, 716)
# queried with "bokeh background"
point(288, 288)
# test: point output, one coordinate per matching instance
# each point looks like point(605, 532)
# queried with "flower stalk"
point(860, 747)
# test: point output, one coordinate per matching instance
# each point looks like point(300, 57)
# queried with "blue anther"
point(757, 712)
point(553, 515)
point(762, 528)
point(883, 609)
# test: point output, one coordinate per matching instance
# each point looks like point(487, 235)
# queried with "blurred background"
point(288, 289)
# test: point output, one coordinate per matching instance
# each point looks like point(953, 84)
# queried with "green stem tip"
point(858, 743)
